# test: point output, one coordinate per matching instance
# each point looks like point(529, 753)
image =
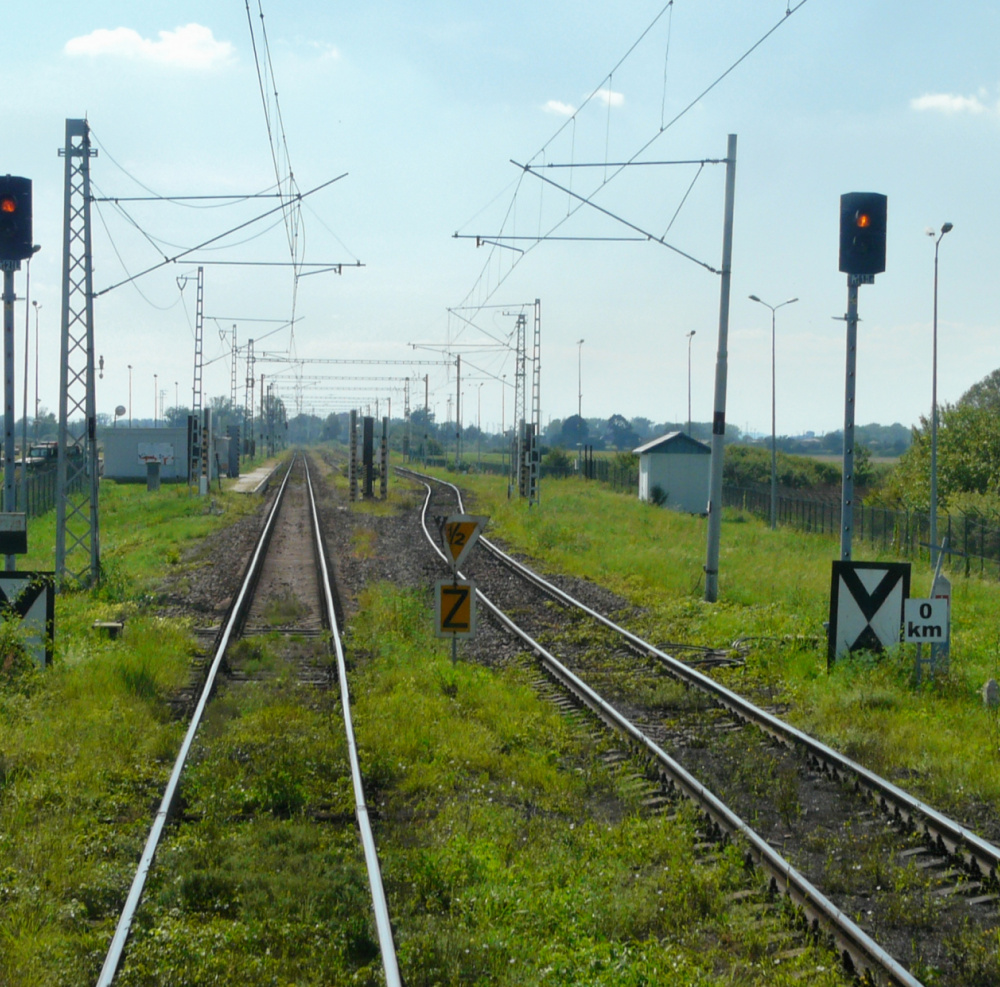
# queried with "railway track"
point(287, 593)
point(909, 875)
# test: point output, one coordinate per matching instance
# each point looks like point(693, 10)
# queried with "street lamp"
point(156, 385)
point(130, 395)
point(479, 424)
point(774, 438)
point(934, 406)
point(579, 378)
point(689, 336)
point(37, 307)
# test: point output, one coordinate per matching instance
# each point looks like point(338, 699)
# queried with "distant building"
point(678, 466)
point(127, 451)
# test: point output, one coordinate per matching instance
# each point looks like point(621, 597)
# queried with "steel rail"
point(859, 952)
point(236, 615)
point(379, 903)
point(981, 857)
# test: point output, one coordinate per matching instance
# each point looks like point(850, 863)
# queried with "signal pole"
point(862, 256)
point(847, 487)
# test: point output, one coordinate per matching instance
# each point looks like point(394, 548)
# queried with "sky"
point(414, 113)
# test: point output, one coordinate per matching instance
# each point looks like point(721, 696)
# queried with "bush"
point(558, 463)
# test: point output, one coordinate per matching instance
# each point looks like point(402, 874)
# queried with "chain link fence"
point(973, 544)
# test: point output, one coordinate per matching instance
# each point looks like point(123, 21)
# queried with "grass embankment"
point(85, 746)
point(775, 590)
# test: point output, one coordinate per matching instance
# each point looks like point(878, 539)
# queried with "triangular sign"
point(460, 533)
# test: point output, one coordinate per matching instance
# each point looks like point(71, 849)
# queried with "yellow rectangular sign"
point(454, 608)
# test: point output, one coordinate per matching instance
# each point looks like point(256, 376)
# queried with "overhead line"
point(624, 222)
point(205, 243)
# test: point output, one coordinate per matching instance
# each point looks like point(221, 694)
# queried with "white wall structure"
point(128, 450)
point(679, 466)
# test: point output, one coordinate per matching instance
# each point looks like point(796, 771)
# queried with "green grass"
point(86, 745)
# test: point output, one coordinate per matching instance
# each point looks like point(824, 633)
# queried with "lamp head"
point(754, 298)
point(947, 228)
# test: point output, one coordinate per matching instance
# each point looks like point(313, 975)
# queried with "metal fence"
point(973, 545)
point(35, 494)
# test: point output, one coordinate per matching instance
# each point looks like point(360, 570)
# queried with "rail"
point(234, 618)
point(380, 905)
point(978, 854)
point(231, 626)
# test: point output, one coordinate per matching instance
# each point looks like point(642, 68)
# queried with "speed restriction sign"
point(454, 608)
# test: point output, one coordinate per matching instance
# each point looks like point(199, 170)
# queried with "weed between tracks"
point(509, 854)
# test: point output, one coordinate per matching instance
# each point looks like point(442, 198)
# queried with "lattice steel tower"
point(196, 452)
point(78, 554)
point(520, 399)
point(536, 370)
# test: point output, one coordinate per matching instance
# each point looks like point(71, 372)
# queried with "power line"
point(220, 236)
point(618, 167)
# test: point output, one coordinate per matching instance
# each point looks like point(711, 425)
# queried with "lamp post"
point(579, 378)
point(37, 307)
point(503, 420)
point(934, 406)
point(690, 335)
point(774, 438)
point(130, 395)
point(156, 386)
point(479, 424)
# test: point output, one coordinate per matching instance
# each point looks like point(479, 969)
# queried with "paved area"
point(255, 479)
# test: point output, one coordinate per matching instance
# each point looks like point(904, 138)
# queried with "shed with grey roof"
point(677, 466)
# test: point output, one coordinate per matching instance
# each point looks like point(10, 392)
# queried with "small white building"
point(679, 466)
point(127, 451)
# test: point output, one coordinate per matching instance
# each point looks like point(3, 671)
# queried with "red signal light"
point(8, 204)
point(862, 220)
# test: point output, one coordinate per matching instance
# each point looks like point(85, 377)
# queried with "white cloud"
point(609, 97)
point(325, 50)
point(949, 103)
point(560, 109)
point(191, 47)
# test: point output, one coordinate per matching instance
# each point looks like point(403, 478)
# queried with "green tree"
point(984, 393)
point(574, 432)
point(968, 459)
point(619, 433)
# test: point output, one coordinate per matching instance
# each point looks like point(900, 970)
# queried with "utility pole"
point(458, 408)
point(721, 373)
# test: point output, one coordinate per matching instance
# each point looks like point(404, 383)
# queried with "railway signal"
point(15, 246)
point(862, 256)
point(862, 233)
point(15, 219)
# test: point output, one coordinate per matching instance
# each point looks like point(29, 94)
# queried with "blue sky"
point(424, 104)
